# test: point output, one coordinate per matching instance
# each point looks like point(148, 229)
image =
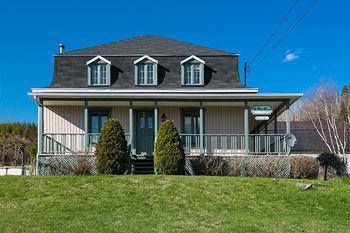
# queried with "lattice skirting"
point(257, 165)
point(64, 164)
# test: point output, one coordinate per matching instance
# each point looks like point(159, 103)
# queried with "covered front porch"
point(221, 127)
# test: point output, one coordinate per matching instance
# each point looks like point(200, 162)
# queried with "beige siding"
point(121, 113)
point(70, 119)
point(171, 113)
point(63, 119)
point(223, 120)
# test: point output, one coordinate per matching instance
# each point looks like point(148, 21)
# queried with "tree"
point(345, 104)
point(111, 149)
point(324, 111)
point(169, 154)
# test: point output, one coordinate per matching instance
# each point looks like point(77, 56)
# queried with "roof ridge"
point(157, 40)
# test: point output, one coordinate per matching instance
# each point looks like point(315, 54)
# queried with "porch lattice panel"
point(63, 164)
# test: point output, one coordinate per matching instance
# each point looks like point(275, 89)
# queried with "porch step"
point(142, 166)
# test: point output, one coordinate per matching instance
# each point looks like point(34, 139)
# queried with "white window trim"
point(98, 57)
point(145, 57)
point(149, 60)
point(201, 71)
point(192, 57)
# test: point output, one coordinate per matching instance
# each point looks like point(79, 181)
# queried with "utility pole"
point(245, 74)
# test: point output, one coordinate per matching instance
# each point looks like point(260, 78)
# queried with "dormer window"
point(146, 71)
point(99, 71)
point(192, 71)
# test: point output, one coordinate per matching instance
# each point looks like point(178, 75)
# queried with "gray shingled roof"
point(150, 45)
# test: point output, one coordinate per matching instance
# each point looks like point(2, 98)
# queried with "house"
point(144, 80)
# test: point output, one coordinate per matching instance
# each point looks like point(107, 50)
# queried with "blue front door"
point(144, 133)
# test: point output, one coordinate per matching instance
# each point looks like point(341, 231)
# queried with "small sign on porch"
point(261, 112)
point(262, 118)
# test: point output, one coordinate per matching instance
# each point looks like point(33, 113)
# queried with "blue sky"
point(317, 49)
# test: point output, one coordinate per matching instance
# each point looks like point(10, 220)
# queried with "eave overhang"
point(239, 94)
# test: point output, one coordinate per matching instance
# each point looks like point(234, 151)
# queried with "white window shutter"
point(136, 75)
point(201, 73)
point(108, 74)
point(182, 75)
point(155, 74)
point(89, 75)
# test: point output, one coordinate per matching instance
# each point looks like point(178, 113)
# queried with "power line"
point(274, 32)
point(305, 11)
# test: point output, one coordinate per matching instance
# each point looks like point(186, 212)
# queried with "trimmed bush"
point(211, 166)
point(111, 149)
point(304, 167)
point(169, 156)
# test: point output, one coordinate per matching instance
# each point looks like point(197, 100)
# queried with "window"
point(141, 74)
point(190, 127)
point(192, 69)
point(145, 74)
point(146, 69)
point(103, 74)
point(94, 74)
point(97, 121)
point(191, 122)
point(192, 74)
point(150, 73)
point(99, 74)
point(98, 71)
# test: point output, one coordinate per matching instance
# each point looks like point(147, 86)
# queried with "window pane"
point(94, 124)
point(142, 121)
point(196, 74)
point(150, 122)
point(141, 74)
point(104, 118)
point(94, 75)
point(187, 73)
point(188, 125)
point(103, 74)
point(150, 74)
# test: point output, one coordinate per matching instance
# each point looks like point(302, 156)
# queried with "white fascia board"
point(161, 94)
point(111, 91)
point(98, 57)
point(145, 57)
point(192, 57)
point(174, 96)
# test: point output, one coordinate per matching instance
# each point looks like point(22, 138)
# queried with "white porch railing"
point(63, 143)
point(213, 144)
point(234, 144)
point(70, 143)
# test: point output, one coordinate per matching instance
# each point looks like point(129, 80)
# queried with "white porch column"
point(156, 120)
point(287, 118)
point(40, 133)
point(201, 128)
point(246, 128)
point(131, 128)
point(86, 116)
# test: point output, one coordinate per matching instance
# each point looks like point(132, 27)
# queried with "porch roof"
point(238, 94)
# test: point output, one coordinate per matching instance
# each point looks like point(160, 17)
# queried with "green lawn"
point(171, 204)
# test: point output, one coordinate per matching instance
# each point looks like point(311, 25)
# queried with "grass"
point(171, 204)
